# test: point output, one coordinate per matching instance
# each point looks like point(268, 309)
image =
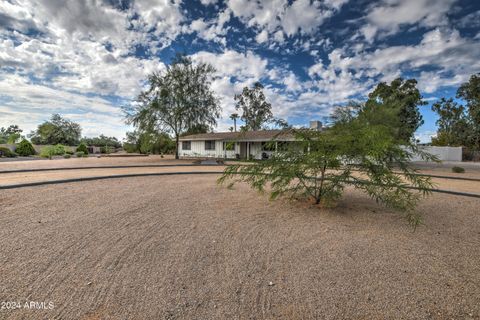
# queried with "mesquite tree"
point(319, 165)
point(177, 100)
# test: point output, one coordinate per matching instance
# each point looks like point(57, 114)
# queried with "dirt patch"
point(185, 248)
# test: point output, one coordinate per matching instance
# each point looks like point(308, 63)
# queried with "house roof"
point(261, 135)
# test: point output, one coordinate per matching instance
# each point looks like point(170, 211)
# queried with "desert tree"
point(176, 100)
point(256, 110)
point(402, 99)
point(10, 134)
point(57, 130)
point(470, 93)
point(352, 152)
point(453, 124)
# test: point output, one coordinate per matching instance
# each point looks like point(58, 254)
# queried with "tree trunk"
point(176, 146)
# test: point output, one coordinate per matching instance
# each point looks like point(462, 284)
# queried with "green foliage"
point(459, 125)
point(256, 111)
point(196, 129)
point(67, 156)
point(144, 142)
point(177, 100)
point(10, 135)
point(80, 154)
point(400, 101)
point(50, 151)
point(102, 141)
point(458, 170)
point(57, 131)
point(47, 152)
point(453, 124)
point(25, 148)
point(59, 149)
point(82, 148)
point(320, 165)
point(6, 152)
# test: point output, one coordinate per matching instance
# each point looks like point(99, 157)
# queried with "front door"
point(243, 150)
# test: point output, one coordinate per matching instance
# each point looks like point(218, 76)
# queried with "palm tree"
point(234, 117)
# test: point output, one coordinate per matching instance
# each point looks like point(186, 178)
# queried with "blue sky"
point(85, 59)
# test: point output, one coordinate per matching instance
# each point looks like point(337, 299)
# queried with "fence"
point(443, 153)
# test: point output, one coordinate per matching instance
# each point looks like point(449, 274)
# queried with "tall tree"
point(470, 92)
point(256, 111)
point(403, 99)
point(234, 117)
point(57, 130)
point(10, 134)
point(178, 99)
point(453, 124)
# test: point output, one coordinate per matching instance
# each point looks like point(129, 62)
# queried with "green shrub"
point(80, 154)
point(25, 148)
point(5, 152)
point(69, 152)
point(82, 148)
point(59, 150)
point(47, 152)
point(67, 156)
point(50, 151)
point(458, 170)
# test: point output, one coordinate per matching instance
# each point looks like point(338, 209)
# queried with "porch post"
point(248, 150)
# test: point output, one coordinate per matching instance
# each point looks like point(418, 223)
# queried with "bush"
point(47, 152)
point(50, 151)
point(80, 154)
point(5, 152)
point(82, 148)
point(69, 152)
point(458, 170)
point(59, 150)
point(25, 148)
point(67, 156)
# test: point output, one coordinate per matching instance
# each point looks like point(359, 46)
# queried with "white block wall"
point(443, 153)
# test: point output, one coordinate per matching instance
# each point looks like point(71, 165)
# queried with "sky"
point(85, 59)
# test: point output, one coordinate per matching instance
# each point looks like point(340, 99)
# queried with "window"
point(268, 146)
point(210, 145)
point(229, 146)
point(186, 145)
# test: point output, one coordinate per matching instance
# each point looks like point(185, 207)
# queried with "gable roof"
point(261, 135)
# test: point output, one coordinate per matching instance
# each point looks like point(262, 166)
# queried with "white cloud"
point(27, 104)
point(301, 16)
point(390, 15)
point(262, 37)
point(208, 2)
point(444, 50)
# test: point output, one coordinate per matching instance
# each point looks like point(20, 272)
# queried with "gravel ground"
point(90, 161)
point(184, 248)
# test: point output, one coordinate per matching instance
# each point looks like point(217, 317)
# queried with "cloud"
point(262, 36)
point(27, 104)
point(390, 15)
point(208, 2)
point(301, 16)
point(442, 49)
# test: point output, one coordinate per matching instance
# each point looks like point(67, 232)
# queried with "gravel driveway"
point(179, 247)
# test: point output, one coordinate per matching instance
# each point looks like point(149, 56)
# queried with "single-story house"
point(233, 145)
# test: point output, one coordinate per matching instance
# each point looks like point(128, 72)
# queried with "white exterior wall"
point(197, 149)
point(443, 153)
